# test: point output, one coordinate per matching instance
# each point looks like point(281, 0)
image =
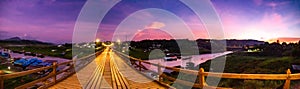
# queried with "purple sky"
point(53, 20)
point(46, 20)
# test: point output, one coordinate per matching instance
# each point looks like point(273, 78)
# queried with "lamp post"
point(97, 40)
point(97, 43)
point(119, 44)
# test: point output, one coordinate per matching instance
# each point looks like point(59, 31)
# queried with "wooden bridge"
point(108, 74)
point(111, 71)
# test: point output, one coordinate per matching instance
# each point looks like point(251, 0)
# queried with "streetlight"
point(119, 44)
point(97, 40)
point(119, 41)
point(97, 43)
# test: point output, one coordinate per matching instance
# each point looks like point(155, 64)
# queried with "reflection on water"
point(196, 59)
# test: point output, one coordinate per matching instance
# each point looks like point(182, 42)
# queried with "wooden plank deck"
point(71, 82)
point(96, 79)
point(134, 77)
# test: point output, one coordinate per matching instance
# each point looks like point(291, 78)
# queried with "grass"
point(250, 64)
point(54, 51)
point(139, 53)
point(245, 64)
point(15, 82)
point(46, 50)
point(255, 64)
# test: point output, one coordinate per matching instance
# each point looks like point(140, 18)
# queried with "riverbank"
point(8, 67)
point(54, 51)
point(243, 63)
point(7, 64)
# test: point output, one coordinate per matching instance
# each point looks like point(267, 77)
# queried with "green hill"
point(17, 41)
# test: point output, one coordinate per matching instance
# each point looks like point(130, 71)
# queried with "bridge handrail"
point(201, 74)
point(83, 61)
point(52, 75)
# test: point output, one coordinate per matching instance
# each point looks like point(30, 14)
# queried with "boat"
point(5, 55)
point(19, 52)
point(186, 58)
point(29, 54)
point(170, 57)
point(40, 55)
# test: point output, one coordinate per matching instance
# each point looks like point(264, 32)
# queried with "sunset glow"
point(54, 20)
point(138, 44)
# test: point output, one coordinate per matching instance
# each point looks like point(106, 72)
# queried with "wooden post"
point(74, 62)
point(54, 71)
point(140, 65)
point(71, 65)
point(288, 80)
point(159, 72)
point(1, 79)
point(201, 77)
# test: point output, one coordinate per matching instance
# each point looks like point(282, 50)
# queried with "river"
point(196, 59)
point(17, 55)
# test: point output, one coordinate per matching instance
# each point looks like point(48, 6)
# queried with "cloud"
point(155, 25)
point(275, 4)
point(258, 2)
point(152, 35)
point(274, 21)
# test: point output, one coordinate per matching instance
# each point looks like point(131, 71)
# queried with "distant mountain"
point(285, 39)
point(19, 41)
point(13, 39)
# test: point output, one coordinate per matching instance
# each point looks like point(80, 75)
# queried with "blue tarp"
point(31, 61)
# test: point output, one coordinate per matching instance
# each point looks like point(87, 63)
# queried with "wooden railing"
point(52, 77)
point(48, 80)
point(201, 74)
point(83, 61)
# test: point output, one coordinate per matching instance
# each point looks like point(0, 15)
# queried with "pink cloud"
point(198, 30)
point(275, 4)
point(152, 34)
point(155, 25)
point(258, 2)
point(273, 21)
